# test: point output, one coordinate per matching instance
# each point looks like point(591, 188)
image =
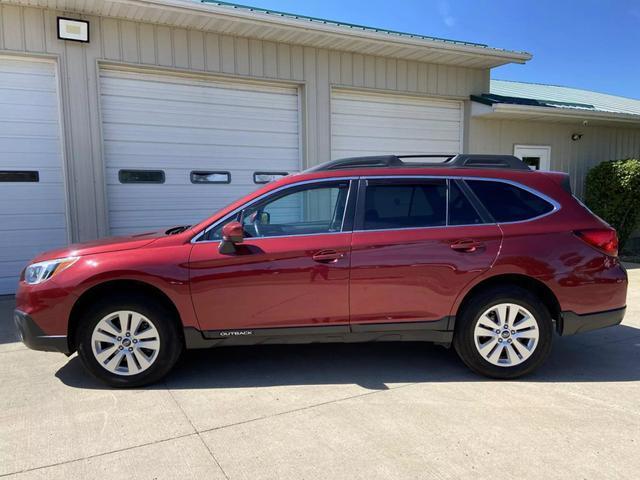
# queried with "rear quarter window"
point(509, 203)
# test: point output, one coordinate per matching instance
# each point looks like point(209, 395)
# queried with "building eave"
point(498, 111)
point(261, 25)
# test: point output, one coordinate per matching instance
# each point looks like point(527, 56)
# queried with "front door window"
point(301, 210)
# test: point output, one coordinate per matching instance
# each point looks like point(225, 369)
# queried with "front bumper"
point(34, 338)
point(573, 323)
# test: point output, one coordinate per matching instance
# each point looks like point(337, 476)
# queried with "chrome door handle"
point(466, 245)
point(327, 256)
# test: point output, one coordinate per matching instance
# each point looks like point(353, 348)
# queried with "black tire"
point(466, 320)
point(170, 337)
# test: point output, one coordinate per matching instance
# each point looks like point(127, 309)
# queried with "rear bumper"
point(34, 338)
point(573, 323)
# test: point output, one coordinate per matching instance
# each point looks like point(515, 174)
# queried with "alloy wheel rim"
point(506, 334)
point(125, 343)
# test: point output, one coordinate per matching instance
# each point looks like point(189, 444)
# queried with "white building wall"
point(33, 31)
point(598, 143)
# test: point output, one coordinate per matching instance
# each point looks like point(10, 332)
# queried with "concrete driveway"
point(329, 411)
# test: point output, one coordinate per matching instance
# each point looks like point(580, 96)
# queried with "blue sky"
point(590, 44)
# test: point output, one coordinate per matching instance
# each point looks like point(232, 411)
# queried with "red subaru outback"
point(477, 251)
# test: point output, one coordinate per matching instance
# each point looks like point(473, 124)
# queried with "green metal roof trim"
point(490, 99)
point(536, 94)
point(351, 26)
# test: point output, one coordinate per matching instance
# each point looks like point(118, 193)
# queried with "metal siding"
point(598, 143)
point(178, 124)
point(364, 123)
point(32, 215)
point(159, 45)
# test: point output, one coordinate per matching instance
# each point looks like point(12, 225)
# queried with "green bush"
point(613, 193)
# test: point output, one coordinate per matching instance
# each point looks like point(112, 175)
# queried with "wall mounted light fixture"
point(72, 29)
point(576, 136)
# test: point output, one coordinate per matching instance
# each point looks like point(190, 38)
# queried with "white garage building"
point(174, 108)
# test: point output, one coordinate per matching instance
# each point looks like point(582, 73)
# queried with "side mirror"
point(232, 234)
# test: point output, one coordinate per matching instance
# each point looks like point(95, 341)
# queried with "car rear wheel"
point(129, 343)
point(505, 332)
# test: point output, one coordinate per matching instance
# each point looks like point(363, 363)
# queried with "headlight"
point(41, 271)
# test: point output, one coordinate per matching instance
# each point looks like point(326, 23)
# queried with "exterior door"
point(409, 257)
point(292, 270)
point(536, 156)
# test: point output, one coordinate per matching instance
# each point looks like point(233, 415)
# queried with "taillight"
point(604, 239)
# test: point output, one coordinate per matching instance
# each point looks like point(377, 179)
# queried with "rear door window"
point(509, 203)
point(405, 204)
point(461, 210)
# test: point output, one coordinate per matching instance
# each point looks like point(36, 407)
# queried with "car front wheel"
point(129, 343)
point(504, 333)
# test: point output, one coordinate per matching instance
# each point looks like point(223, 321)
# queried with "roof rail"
point(462, 160)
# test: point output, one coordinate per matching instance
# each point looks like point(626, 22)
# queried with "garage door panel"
point(383, 144)
point(213, 162)
point(407, 133)
point(239, 106)
point(433, 150)
point(113, 151)
point(420, 111)
point(22, 160)
point(220, 119)
point(26, 113)
point(27, 129)
point(202, 136)
point(191, 90)
point(346, 121)
point(16, 96)
point(10, 145)
point(200, 100)
point(50, 204)
point(370, 114)
point(32, 214)
point(179, 124)
point(26, 81)
point(364, 123)
point(27, 220)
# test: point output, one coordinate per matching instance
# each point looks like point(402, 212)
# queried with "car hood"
point(111, 244)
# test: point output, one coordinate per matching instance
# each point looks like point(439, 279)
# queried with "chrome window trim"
point(446, 199)
point(346, 206)
point(267, 194)
point(556, 206)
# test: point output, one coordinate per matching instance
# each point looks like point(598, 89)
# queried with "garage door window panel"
point(267, 177)
point(19, 176)
point(198, 177)
point(141, 176)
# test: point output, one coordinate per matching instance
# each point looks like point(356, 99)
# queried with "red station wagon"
point(478, 252)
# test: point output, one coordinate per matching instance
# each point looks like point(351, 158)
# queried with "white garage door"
point(32, 193)
point(364, 123)
point(164, 132)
